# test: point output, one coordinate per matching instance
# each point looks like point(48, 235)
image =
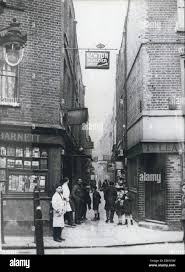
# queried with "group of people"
point(119, 200)
point(71, 206)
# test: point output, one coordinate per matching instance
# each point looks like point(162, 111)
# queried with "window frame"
point(15, 100)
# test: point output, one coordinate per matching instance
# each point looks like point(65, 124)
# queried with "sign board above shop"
point(77, 116)
point(97, 59)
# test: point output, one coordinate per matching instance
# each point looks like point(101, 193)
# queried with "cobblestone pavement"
point(100, 234)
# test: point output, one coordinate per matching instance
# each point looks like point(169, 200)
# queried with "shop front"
point(28, 158)
point(155, 174)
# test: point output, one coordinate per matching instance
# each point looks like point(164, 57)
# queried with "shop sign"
point(97, 59)
point(163, 147)
point(19, 137)
point(150, 177)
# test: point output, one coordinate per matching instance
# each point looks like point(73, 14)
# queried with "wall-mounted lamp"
point(13, 42)
point(2, 5)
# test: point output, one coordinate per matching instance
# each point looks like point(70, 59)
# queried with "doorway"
point(154, 177)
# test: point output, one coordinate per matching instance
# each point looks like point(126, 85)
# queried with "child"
point(96, 202)
point(120, 206)
point(128, 207)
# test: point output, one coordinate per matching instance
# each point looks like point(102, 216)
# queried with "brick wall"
point(161, 21)
point(173, 190)
point(154, 71)
point(163, 80)
point(40, 71)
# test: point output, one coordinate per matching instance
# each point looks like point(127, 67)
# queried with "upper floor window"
point(180, 15)
point(8, 84)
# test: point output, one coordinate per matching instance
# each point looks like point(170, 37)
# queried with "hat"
point(58, 185)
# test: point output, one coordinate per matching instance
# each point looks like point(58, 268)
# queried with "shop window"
point(180, 15)
point(23, 167)
point(8, 84)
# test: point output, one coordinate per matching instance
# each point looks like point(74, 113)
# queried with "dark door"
point(155, 188)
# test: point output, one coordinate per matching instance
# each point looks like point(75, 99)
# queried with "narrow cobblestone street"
point(100, 234)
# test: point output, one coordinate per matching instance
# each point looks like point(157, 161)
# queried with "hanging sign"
point(77, 116)
point(97, 59)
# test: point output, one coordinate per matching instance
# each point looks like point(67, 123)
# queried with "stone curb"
point(8, 247)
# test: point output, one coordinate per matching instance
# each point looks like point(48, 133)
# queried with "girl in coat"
point(59, 209)
point(120, 206)
point(128, 207)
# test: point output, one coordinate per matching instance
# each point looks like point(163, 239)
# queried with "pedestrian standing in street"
point(120, 206)
point(59, 209)
point(96, 202)
point(77, 195)
point(105, 185)
point(183, 210)
point(66, 194)
point(86, 201)
point(110, 196)
point(127, 207)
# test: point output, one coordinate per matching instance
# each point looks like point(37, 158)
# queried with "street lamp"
point(13, 41)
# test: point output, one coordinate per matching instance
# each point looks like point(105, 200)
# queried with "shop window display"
point(22, 168)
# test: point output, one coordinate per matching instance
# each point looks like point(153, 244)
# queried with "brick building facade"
point(152, 54)
point(38, 146)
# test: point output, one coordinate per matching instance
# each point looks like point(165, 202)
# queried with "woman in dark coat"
point(110, 195)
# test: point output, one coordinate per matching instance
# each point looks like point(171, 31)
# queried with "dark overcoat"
point(110, 195)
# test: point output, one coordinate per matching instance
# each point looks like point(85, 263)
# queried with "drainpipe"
point(125, 89)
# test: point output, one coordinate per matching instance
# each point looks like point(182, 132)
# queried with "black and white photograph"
point(92, 129)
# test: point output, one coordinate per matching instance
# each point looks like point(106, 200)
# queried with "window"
point(8, 84)
point(23, 167)
point(180, 15)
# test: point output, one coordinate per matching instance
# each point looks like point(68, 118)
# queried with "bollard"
point(38, 223)
point(39, 231)
point(2, 219)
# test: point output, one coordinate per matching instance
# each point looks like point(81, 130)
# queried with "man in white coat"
point(66, 194)
point(59, 209)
